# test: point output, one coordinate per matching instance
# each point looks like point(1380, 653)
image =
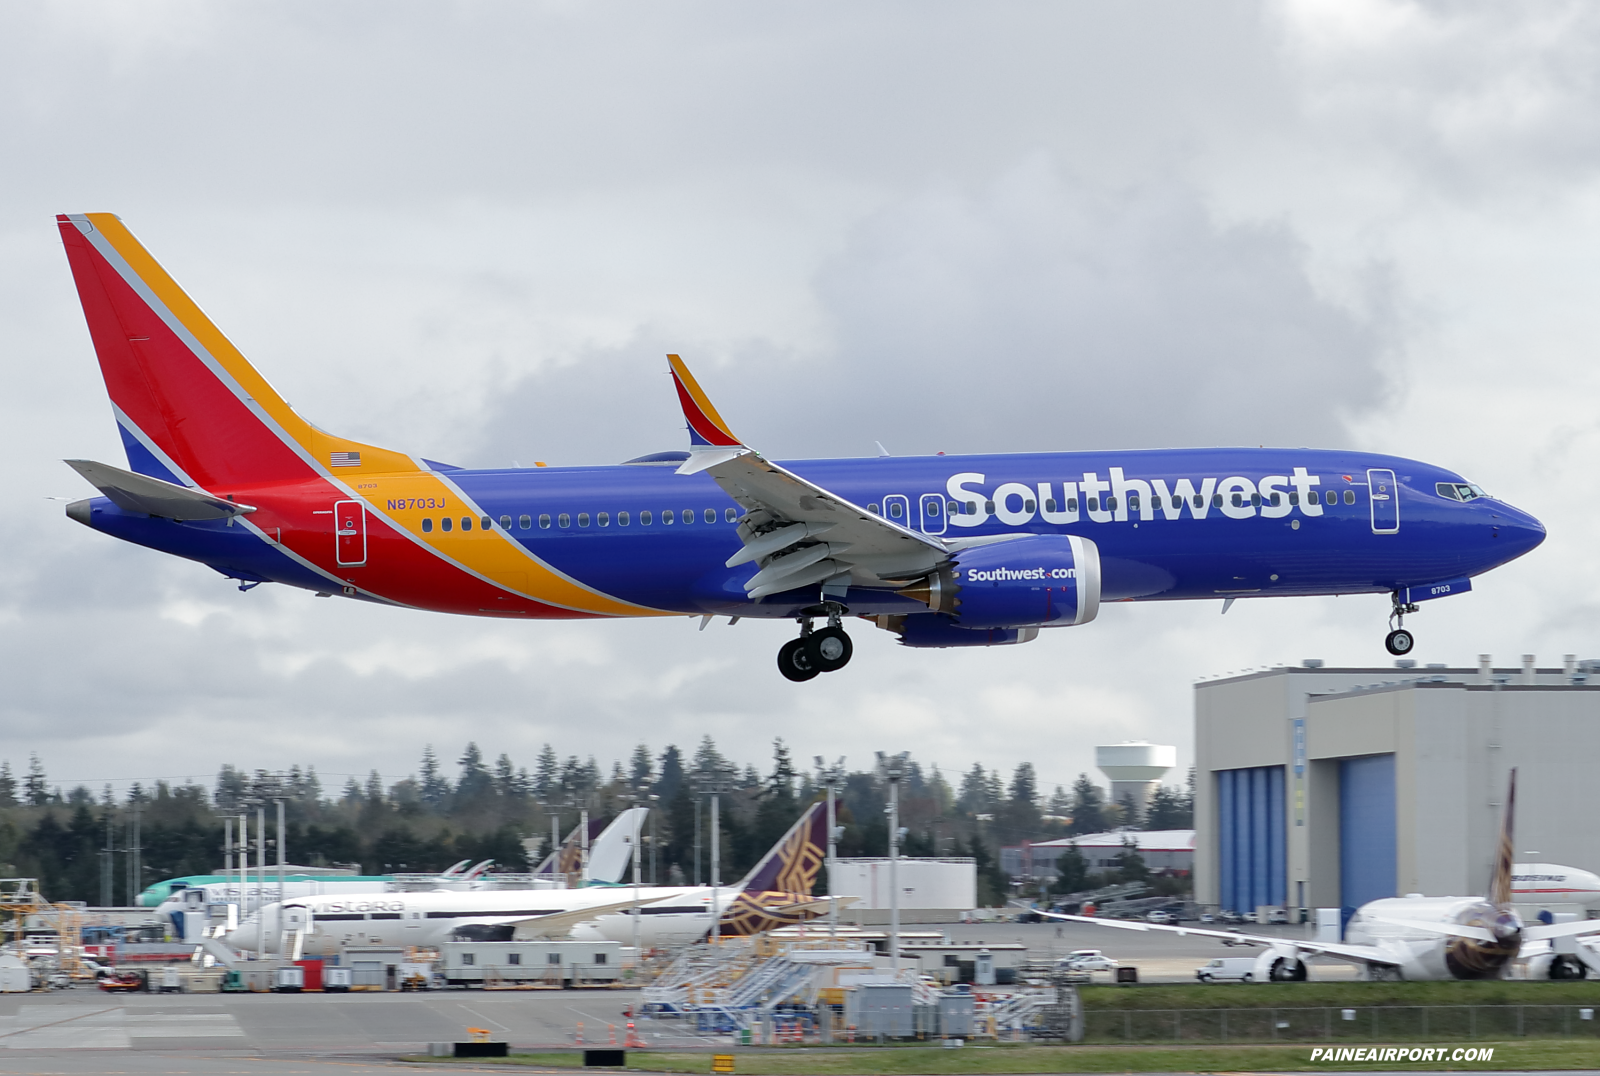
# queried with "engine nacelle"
point(1044, 579)
point(934, 629)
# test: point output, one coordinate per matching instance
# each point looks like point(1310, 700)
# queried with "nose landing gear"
point(1399, 641)
point(827, 650)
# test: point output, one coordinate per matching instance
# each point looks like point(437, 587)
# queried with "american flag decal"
point(344, 459)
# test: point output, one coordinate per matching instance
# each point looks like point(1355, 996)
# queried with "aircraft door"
point(932, 509)
point(1385, 501)
point(897, 509)
point(350, 527)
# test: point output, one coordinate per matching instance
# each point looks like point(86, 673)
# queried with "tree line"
point(104, 847)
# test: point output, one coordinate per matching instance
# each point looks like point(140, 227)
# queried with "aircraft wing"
point(797, 532)
point(140, 493)
point(1561, 930)
point(561, 922)
point(1360, 954)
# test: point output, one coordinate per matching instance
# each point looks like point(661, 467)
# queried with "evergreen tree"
point(974, 796)
point(1130, 864)
point(1169, 809)
point(781, 783)
point(1024, 785)
point(993, 885)
point(505, 776)
point(1060, 803)
point(994, 788)
point(374, 788)
point(547, 775)
point(311, 787)
point(1128, 811)
point(671, 778)
point(8, 786)
point(1088, 809)
point(708, 761)
point(943, 797)
point(35, 789)
point(435, 788)
point(475, 781)
point(1072, 871)
point(352, 792)
point(641, 768)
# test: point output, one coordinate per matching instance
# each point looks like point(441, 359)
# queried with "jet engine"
point(1038, 580)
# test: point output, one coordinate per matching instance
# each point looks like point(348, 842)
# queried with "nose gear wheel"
point(1399, 641)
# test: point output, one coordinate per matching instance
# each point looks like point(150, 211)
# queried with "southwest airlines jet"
point(941, 550)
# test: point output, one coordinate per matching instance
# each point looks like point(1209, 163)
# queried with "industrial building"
point(1169, 850)
point(932, 890)
point(1321, 787)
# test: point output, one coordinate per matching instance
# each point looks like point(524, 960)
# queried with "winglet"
point(706, 428)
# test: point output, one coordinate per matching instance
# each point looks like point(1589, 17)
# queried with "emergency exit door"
point(350, 530)
point(1385, 501)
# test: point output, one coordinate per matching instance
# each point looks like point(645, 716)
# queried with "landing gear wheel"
point(796, 660)
point(1399, 642)
point(830, 648)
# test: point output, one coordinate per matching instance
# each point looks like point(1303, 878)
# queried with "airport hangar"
point(1327, 788)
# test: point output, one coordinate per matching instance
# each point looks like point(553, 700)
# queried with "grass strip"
point(1584, 992)
point(937, 1061)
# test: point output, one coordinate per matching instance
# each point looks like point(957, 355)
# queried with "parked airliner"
point(1419, 937)
point(941, 550)
point(776, 892)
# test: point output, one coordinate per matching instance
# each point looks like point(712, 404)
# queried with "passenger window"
point(1349, 496)
point(972, 508)
point(445, 524)
point(427, 526)
point(896, 510)
point(1199, 501)
point(564, 520)
point(873, 508)
point(544, 522)
point(486, 523)
point(710, 515)
point(1216, 500)
point(622, 519)
point(1111, 504)
point(1294, 499)
point(988, 506)
point(932, 508)
point(1276, 499)
point(645, 518)
point(1072, 504)
point(505, 522)
point(583, 519)
point(669, 517)
point(1094, 504)
point(1133, 503)
point(525, 522)
point(1027, 506)
point(953, 508)
point(731, 515)
point(466, 523)
point(688, 515)
point(603, 519)
point(1238, 500)
point(1333, 497)
point(1050, 505)
point(1255, 500)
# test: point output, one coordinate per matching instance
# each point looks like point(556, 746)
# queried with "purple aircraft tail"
point(793, 863)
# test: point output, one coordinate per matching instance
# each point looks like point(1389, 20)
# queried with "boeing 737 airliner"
point(941, 550)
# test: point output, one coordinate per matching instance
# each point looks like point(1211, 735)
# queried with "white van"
point(1240, 968)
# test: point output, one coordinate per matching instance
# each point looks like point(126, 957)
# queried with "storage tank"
point(1135, 768)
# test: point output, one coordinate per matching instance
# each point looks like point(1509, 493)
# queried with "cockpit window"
point(1459, 491)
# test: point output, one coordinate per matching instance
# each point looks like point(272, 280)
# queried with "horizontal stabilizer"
point(140, 493)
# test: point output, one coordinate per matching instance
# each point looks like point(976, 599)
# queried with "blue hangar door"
point(1251, 855)
point(1366, 830)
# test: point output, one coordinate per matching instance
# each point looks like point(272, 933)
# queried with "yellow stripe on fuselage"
point(493, 554)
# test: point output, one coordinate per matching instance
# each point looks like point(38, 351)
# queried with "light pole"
point(833, 779)
point(894, 768)
point(654, 803)
point(633, 799)
point(714, 780)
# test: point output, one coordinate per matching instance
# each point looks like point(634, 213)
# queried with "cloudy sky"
point(471, 231)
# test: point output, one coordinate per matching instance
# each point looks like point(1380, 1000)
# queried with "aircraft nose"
point(1516, 531)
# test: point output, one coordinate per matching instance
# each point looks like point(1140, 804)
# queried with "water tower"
point(1135, 769)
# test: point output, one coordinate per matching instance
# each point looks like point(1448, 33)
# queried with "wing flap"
point(1361, 954)
point(134, 492)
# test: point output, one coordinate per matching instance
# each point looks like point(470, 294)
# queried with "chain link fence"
point(1409, 1023)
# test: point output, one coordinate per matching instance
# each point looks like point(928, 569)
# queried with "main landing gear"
point(827, 650)
point(1399, 641)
